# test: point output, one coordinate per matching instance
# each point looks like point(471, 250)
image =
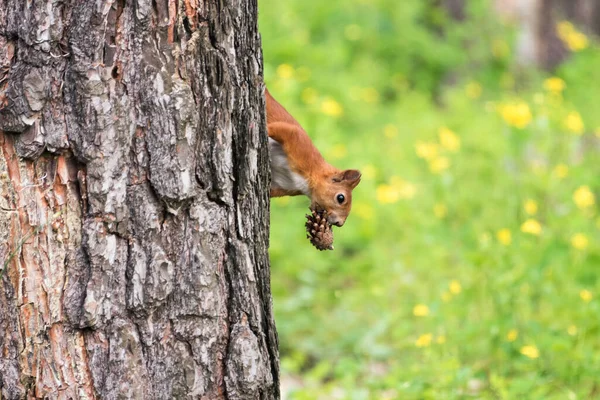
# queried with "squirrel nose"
point(337, 222)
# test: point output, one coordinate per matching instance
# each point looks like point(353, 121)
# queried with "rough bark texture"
point(134, 201)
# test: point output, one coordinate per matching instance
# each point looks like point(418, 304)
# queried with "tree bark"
point(134, 203)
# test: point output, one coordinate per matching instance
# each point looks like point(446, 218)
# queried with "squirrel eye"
point(340, 198)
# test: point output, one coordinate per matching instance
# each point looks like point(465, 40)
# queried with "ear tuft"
point(351, 177)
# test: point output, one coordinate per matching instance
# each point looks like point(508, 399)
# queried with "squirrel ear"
point(351, 177)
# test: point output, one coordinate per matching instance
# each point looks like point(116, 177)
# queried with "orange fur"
point(325, 182)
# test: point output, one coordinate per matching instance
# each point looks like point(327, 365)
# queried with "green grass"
point(511, 307)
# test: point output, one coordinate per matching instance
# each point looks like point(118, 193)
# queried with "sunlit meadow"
point(469, 264)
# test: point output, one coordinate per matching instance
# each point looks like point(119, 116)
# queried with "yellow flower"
point(406, 190)
point(441, 339)
point(439, 165)
point(426, 150)
point(579, 241)
point(572, 38)
point(309, 96)
point(531, 226)
point(390, 131)
point(504, 236)
point(369, 95)
point(398, 189)
point(285, 71)
point(516, 114)
point(353, 32)
point(572, 330)
point(554, 85)
point(440, 210)
point(449, 140)
point(583, 197)
point(512, 335)
point(473, 90)
point(424, 340)
point(331, 107)
point(339, 151)
point(455, 287)
point(387, 194)
point(421, 310)
point(530, 351)
point(561, 171)
point(586, 295)
point(564, 27)
point(574, 123)
point(578, 41)
point(531, 207)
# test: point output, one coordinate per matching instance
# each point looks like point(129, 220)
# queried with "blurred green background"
point(468, 266)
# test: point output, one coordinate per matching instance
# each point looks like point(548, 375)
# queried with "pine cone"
point(318, 230)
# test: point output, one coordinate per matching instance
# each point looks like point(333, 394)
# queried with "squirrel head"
point(334, 194)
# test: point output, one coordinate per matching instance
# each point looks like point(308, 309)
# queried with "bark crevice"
point(134, 167)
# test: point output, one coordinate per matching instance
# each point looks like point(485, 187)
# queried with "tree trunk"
point(456, 8)
point(538, 42)
point(134, 201)
point(582, 13)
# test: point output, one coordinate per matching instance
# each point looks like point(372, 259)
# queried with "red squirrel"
point(298, 168)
